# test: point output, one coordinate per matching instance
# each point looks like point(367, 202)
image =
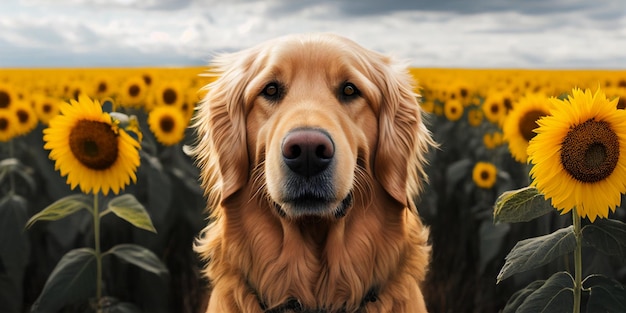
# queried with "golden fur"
point(261, 250)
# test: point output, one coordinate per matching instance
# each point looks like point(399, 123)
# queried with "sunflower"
point(453, 110)
point(438, 109)
point(26, 117)
point(492, 140)
point(169, 93)
point(464, 91)
point(148, 78)
point(133, 92)
point(494, 107)
point(428, 106)
point(46, 107)
point(90, 149)
point(188, 109)
point(8, 125)
point(475, 117)
point(168, 124)
point(484, 174)
point(103, 87)
point(76, 89)
point(578, 154)
point(8, 96)
point(521, 121)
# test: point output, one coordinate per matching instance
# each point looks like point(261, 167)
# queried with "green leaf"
point(62, 208)
point(556, 295)
point(13, 241)
point(14, 251)
point(521, 295)
point(7, 166)
point(456, 172)
point(521, 205)
point(139, 256)
point(129, 209)
point(73, 279)
point(534, 252)
point(13, 166)
point(608, 236)
point(605, 295)
point(491, 238)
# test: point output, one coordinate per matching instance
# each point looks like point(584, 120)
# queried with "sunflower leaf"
point(15, 249)
point(73, 279)
point(556, 295)
point(605, 294)
point(534, 252)
point(139, 256)
point(521, 205)
point(129, 209)
point(456, 172)
point(62, 208)
point(607, 236)
point(13, 166)
point(521, 295)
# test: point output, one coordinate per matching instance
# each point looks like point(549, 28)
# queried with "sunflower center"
point(5, 99)
point(102, 87)
point(133, 90)
point(167, 124)
point(94, 144)
point(494, 108)
point(169, 96)
point(47, 108)
point(147, 79)
point(590, 151)
point(4, 124)
point(22, 116)
point(508, 104)
point(528, 123)
point(484, 175)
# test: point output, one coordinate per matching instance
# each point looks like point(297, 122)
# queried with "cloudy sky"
point(428, 33)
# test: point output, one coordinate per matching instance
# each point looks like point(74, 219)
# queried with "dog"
point(311, 152)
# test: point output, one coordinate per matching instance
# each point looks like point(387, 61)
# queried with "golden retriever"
point(311, 150)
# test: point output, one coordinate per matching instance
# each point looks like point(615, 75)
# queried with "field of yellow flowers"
point(61, 250)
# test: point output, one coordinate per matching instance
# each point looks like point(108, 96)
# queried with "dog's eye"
point(272, 91)
point(348, 91)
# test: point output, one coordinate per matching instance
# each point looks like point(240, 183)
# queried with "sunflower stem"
point(96, 231)
point(578, 261)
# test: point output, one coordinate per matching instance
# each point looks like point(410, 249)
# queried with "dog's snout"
point(307, 152)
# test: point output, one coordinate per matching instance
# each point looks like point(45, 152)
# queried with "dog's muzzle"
point(309, 186)
point(308, 151)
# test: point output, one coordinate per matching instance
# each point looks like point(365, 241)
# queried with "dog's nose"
point(307, 152)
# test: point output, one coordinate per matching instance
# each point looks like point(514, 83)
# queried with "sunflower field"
point(523, 201)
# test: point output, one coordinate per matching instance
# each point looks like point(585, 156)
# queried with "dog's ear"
point(403, 139)
point(221, 149)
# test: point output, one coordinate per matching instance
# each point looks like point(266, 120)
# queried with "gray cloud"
point(190, 31)
point(112, 4)
point(377, 7)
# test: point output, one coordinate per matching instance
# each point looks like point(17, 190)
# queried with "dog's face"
point(311, 121)
point(311, 118)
